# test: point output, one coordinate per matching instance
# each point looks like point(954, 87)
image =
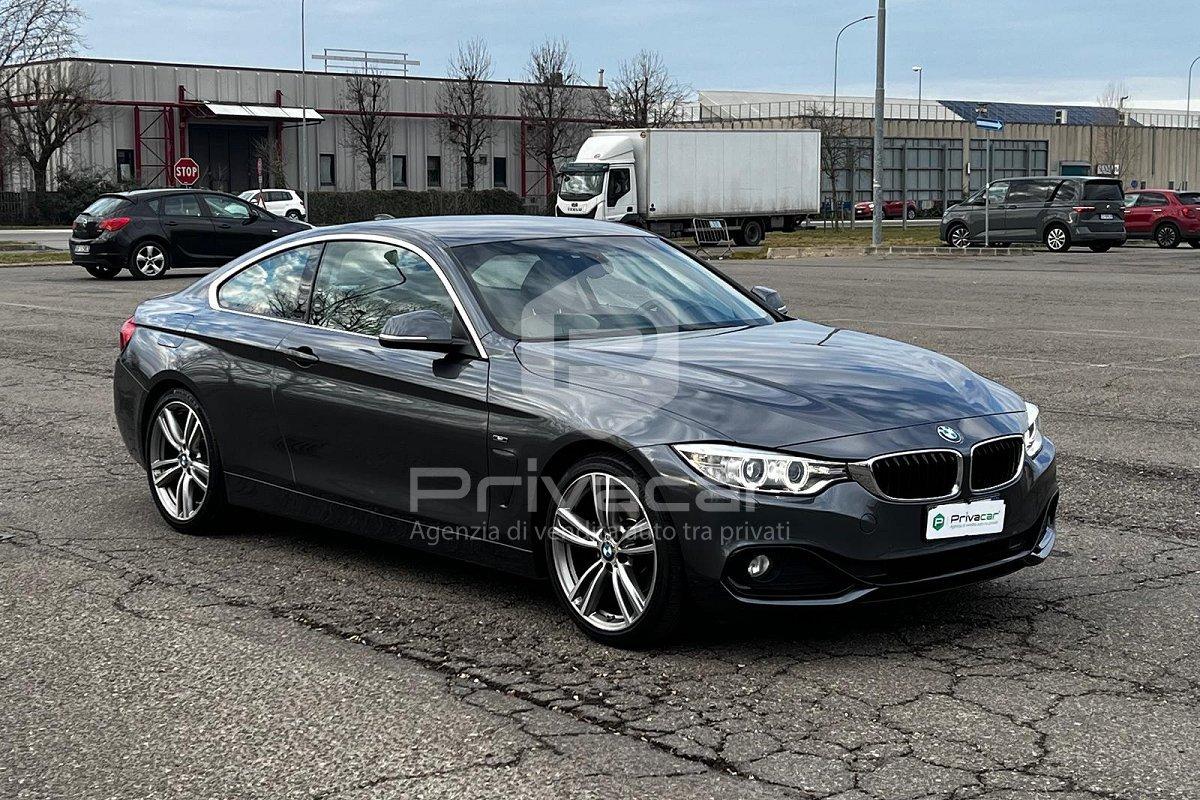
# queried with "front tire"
point(149, 260)
point(958, 236)
point(183, 464)
point(104, 272)
point(615, 568)
point(1194, 243)
point(911, 213)
point(1100, 247)
point(292, 214)
point(1167, 236)
point(1057, 238)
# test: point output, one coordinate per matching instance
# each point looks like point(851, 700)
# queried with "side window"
point(1068, 192)
point(180, 205)
point(1152, 199)
point(278, 197)
point(618, 185)
point(997, 192)
point(227, 207)
point(360, 285)
point(273, 287)
point(1131, 200)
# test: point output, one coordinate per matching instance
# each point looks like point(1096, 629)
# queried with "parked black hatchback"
point(1057, 211)
point(151, 231)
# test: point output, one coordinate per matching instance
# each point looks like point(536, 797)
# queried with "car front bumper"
point(845, 544)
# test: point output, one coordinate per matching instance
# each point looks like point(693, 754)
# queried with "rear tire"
point(292, 214)
point(751, 234)
point(587, 565)
point(1167, 236)
point(1100, 247)
point(1194, 243)
point(1057, 238)
point(105, 272)
point(149, 260)
point(182, 457)
point(911, 213)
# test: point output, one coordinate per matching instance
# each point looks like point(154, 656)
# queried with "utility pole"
point(303, 115)
point(1187, 126)
point(877, 165)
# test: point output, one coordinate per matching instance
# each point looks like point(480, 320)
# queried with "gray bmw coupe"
point(582, 401)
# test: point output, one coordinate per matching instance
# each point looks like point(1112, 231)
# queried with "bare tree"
point(46, 106)
point(466, 105)
point(552, 103)
point(268, 152)
point(840, 149)
point(1117, 145)
point(368, 130)
point(34, 30)
point(643, 95)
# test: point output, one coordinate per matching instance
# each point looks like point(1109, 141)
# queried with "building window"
point(433, 172)
point(325, 169)
point(125, 166)
point(500, 173)
point(462, 174)
point(399, 172)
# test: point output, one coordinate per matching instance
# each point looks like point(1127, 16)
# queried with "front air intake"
point(919, 475)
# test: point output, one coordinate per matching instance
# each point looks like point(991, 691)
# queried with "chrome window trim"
point(215, 287)
point(863, 472)
point(1010, 481)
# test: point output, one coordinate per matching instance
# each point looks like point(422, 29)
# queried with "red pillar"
point(524, 188)
point(137, 144)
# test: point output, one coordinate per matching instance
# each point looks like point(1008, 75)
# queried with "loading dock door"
point(226, 154)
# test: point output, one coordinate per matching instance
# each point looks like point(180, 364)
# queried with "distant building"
point(229, 119)
point(935, 150)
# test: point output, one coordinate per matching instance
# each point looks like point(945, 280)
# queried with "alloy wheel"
point(1056, 238)
point(603, 551)
point(1167, 236)
point(179, 460)
point(150, 260)
point(959, 236)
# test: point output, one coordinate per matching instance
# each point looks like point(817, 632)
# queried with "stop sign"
point(186, 171)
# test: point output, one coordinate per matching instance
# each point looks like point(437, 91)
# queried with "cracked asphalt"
point(279, 660)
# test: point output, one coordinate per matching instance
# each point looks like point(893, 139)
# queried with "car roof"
point(456, 231)
point(1061, 178)
point(141, 194)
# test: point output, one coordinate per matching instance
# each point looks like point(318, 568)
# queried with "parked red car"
point(1168, 217)
point(891, 209)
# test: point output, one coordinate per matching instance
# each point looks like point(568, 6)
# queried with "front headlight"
point(761, 470)
point(1033, 431)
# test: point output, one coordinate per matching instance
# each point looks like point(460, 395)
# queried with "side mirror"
point(771, 297)
point(418, 330)
point(255, 215)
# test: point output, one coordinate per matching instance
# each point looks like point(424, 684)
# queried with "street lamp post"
point(1187, 125)
point(877, 166)
point(837, 40)
point(920, 74)
point(303, 114)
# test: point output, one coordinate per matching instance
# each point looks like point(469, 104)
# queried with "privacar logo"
point(938, 522)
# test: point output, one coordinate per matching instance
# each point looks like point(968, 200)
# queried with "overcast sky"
point(1015, 50)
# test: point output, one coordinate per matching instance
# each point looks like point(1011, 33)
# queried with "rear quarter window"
point(1103, 190)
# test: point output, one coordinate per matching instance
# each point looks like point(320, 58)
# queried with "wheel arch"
point(163, 382)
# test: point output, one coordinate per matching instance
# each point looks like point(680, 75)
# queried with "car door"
point(619, 197)
point(377, 427)
point(238, 226)
point(1145, 213)
point(991, 215)
point(1136, 217)
point(188, 228)
point(1024, 208)
point(234, 373)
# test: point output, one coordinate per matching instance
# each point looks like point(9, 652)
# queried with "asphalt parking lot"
point(290, 661)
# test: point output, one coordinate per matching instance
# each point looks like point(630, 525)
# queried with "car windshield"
point(541, 289)
point(581, 185)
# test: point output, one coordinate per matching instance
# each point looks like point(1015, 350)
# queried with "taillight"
point(127, 331)
point(1081, 209)
point(1187, 212)
point(114, 224)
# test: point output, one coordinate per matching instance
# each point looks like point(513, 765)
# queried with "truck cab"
point(602, 191)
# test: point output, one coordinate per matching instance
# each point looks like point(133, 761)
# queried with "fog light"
point(758, 566)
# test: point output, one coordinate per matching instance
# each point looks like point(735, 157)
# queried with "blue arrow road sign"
point(989, 124)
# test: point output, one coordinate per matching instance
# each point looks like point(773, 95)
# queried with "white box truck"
point(664, 178)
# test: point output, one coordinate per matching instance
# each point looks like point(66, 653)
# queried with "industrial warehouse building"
point(234, 120)
point(229, 118)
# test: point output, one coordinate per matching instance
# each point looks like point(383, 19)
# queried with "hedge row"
point(334, 208)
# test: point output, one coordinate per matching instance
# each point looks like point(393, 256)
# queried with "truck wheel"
point(751, 234)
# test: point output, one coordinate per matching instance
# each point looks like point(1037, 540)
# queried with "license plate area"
point(1107, 216)
point(957, 520)
point(82, 249)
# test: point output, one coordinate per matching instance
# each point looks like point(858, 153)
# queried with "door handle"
point(223, 225)
point(302, 356)
point(170, 223)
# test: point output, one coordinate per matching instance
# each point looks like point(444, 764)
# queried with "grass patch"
point(34, 257)
point(858, 236)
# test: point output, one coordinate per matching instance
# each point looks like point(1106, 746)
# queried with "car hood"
point(776, 385)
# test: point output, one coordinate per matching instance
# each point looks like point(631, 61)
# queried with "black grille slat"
point(917, 476)
point(996, 463)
